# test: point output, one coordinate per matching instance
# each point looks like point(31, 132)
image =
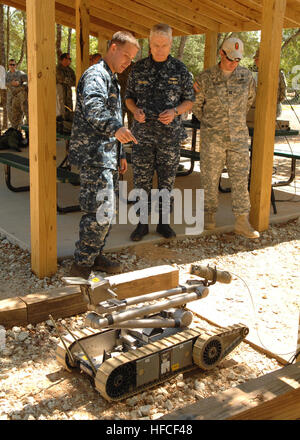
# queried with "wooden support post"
point(265, 113)
point(82, 37)
point(102, 45)
point(210, 54)
point(42, 135)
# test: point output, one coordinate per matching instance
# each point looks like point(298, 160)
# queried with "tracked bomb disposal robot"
point(136, 343)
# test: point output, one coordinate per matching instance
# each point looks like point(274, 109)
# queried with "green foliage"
point(16, 36)
point(193, 52)
point(290, 56)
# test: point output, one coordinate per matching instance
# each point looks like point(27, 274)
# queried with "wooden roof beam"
point(96, 24)
point(104, 18)
point(235, 8)
point(155, 16)
point(289, 19)
point(177, 11)
point(292, 13)
point(118, 20)
point(63, 16)
point(205, 11)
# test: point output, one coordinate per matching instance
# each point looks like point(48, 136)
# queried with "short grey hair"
point(161, 29)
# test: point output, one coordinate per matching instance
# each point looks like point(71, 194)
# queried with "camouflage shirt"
point(67, 78)
point(97, 117)
point(222, 103)
point(155, 87)
point(18, 75)
point(65, 75)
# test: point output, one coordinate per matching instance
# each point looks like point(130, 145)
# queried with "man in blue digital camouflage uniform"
point(159, 90)
point(95, 148)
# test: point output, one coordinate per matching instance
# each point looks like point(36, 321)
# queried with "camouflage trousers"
point(17, 107)
point(215, 155)
point(98, 192)
point(159, 157)
point(64, 102)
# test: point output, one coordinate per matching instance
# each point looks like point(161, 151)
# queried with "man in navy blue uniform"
point(95, 147)
point(159, 90)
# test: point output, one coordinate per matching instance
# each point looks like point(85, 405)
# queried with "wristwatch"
point(176, 111)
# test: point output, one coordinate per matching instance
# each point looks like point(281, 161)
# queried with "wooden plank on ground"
point(144, 281)
point(283, 384)
point(68, 301)
point(285, 407)
point(13, 311)
point(60, 302)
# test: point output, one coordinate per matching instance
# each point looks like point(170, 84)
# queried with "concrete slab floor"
point(15, 211)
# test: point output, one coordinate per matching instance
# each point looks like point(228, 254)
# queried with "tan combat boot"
point(243, 227)
point(209, 220)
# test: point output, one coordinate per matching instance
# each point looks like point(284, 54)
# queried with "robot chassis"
point(126, 350)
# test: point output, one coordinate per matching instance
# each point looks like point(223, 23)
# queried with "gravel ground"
point(35, 387)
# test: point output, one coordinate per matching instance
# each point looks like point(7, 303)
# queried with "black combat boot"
point(105, 265)
point(165, 230)
point(139, 232)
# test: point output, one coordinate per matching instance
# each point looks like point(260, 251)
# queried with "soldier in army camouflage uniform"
point(97, 132)
point(65, 80)
point(159, 90)
point(224, 94)
point(281, 94)
point(17, 95)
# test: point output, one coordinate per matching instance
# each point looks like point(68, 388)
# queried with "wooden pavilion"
point(102, 18)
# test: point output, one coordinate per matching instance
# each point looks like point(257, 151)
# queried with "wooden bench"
point(63, 175)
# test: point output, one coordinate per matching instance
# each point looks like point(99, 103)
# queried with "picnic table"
point(63, 172)
point(284, 151)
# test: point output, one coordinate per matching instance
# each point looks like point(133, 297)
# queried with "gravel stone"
point(35, 387)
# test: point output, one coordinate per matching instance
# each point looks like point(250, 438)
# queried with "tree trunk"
point(7, 34)
point(58, 41)
point(2, 38)
point(24, 42)
point(181, 47)
point(290, 39)
point(140, 54)
point(69, 39)
point(3, 93)
point(221, 40)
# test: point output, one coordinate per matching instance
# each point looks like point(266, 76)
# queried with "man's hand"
point(167, 116)
point(124, 136)
point(123, 166)
point(15, 83)
point(139, 115)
